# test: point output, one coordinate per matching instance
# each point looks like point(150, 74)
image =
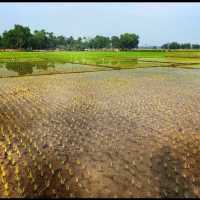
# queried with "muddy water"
point(122, 133)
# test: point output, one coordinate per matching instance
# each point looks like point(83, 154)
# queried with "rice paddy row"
point(93, 60)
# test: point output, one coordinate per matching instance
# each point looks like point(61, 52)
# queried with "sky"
point(155, 23)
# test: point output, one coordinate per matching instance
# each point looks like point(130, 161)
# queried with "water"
point(38, 67)
point(17, 68)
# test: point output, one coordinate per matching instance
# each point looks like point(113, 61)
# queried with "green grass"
point(79, 57)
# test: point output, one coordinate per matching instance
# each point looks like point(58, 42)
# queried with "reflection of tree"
point(23, 68)
point(116, 62)
point(1, 65)
point(44, 65)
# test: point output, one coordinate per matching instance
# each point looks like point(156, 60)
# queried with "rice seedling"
point(51, 123)
point(47, 183)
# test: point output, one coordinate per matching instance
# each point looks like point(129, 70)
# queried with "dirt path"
point(128, 133)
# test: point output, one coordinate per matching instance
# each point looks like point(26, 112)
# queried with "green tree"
point(129, 41)
point(185, 46)
point(60, 40)
point(100, 42)
point(195, 46)
point(70, 43)
point(165, 46)
point(18, 37)
point(115, 42)
point(8, 40)
point(86, 43)
point(39, 39)
point(91, 43)
point(51, 40)
point(78, 44)
point(174, 45)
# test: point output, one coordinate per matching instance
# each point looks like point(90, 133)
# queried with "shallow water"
point(17, 68)
point(36, 67)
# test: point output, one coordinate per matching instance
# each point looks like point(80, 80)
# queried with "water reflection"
point(10, 68)
point(23, 68)
point(20, 68)
point(117, 62)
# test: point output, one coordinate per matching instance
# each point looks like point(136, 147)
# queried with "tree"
point(51, 40)
point(78, 44)
point(8, 39)
point(185, 46)
point(19, 37)
point(91, 43)
point(60, 40)
point(39, 39)
point(129, 41)
point(100, 42)
point(165, 46)
point(195, 46)
point(70, 43)
point(115, 42)
point(174, 45)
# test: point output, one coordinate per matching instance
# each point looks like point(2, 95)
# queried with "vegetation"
point(20, 37)
point(176, 45)
point(128, 41)
point(37, 63)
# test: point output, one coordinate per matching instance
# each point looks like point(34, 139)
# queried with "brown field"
point(121, 133)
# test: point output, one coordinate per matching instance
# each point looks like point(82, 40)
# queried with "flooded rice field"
point(38, 66)
point(119, 133)
point(42, 67)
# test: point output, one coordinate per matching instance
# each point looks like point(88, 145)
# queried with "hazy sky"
point(155, 23)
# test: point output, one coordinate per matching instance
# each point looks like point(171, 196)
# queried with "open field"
point(111, 133)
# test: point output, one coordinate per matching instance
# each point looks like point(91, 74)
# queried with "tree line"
point(21, 37)
point(176, 45)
